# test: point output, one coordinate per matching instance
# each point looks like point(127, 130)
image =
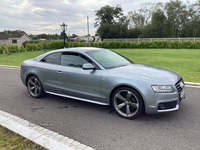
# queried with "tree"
point(74, 35)
point(62, 35)
point(157, 27)
point(191, 27)
point(111, 22)
point(143, 16)
point(177, 16)
point(134, 32)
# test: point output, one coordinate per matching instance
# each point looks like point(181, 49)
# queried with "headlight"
point(163, 88)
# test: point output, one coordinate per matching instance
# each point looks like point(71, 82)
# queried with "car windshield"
point(108, 58)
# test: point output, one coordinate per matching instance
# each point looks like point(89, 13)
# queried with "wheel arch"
point(120, 86)
point(27, 77)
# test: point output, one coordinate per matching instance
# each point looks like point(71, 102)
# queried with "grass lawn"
point(16, 59)
point(186, 62)
point(13, 141)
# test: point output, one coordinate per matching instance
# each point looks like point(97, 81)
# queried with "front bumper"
point(167, 102)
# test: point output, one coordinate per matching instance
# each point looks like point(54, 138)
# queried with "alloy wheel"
point(126, 103)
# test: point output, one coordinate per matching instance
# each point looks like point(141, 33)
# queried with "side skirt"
point(81, 99)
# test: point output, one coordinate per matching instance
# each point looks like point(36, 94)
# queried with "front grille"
point(167, 105)
point(180, 85)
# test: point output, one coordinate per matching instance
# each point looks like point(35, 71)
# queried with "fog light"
point(161, 106)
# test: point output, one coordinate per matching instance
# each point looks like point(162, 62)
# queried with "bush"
point(128, 45)
point(156, 44)
point(75, 44)
point(95, 44)
point(48, 45)
point(141, 44)
point(13, 48)
point(164, 44)
point(31, 42)
point(117, 44)
point(114, 44)
point(40, 46)
point(175, 44)
point(29, 47)
point(3, 48)
point(188, 44)
point(133, 45)
point(197, 44)
point(66, 44)
point(146, 44)
point(150, 44)
point(88, 45)
point(34, 46)
point(123, 45)
point(44, 45)
point(22, 49)
point(81, 44)
point(16, 48)
point(57, 44)
point(111, 44)
point(91, 44)
point(103, 44)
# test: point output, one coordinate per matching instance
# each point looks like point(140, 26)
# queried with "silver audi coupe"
point(104, 77)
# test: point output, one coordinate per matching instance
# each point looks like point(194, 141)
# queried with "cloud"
point(45, 16)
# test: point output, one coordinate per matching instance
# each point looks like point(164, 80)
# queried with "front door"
point(74, 81)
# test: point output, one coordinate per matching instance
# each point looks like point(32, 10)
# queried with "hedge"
point(41, 45)
point(3, 49)
point(13, 49)
point(175, 45)
point(197, 44)
point(188, 44)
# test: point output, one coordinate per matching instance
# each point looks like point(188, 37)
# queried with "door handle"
point(59, 72)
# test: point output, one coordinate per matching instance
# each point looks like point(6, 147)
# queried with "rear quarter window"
point(52, 58)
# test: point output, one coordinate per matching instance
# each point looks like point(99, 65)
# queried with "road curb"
point(192, 83)
point(41, 136)
point(7, 66)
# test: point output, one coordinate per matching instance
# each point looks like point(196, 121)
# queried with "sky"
point(46, 16)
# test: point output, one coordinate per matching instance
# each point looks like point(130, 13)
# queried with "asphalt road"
point(98, 126)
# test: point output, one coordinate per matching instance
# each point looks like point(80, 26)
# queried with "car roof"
point(74, 49)
point(78, 49)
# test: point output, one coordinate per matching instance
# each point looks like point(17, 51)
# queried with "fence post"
point(194, 40)
point(138, 40)
point(151, 39)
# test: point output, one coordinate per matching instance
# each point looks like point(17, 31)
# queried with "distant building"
point(91, 38)
point(13, 38)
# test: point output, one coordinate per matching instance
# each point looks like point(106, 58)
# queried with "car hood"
point(147, 73)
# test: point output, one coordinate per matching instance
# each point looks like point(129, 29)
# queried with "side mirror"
point(88, 66)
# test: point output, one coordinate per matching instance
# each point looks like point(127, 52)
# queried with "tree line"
point(152, 20)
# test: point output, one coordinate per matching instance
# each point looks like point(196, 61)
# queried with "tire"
point(127, 102)
point(34, 87)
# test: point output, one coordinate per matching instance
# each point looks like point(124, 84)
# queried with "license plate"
point(182, 94)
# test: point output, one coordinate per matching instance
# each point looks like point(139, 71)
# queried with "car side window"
point(52, 58)
point(73, 60)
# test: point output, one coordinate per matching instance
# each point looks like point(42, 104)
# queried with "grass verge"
point(186, 62)
point(13, 141)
